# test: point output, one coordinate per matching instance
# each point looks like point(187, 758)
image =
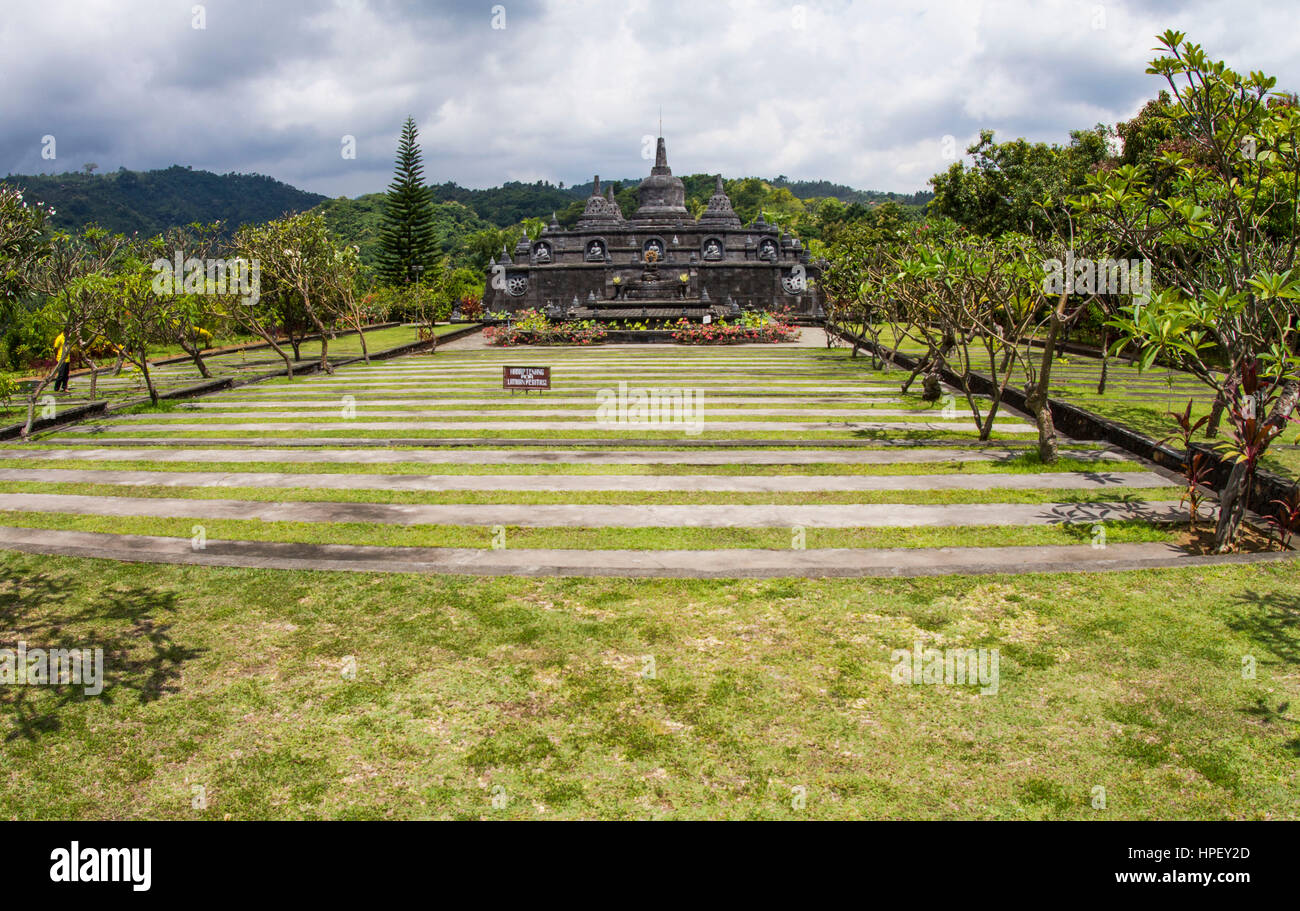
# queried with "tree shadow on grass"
point(141, 660)
point(1272, 621)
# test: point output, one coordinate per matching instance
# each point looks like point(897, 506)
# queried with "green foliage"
point(358, 222)
point(531, 327)
point(748, 329)
point(9, 388)
point(1005, 186)
point(150, 202)
point(513, 201)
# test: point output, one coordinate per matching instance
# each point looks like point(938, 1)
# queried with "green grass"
point(612, 538)
point(232, 680)
point(1025, 464)
point(595, 497)
point(124, 432)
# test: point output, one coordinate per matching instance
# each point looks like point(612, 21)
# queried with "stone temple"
point(660, 264)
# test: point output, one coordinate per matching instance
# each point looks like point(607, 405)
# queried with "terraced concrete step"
point(334, 401)
point(591, 516)
point(1061, 480)
point(587, 408)
point(709, 564)
point(703, 456)
point(726, 382)
point(684, 441)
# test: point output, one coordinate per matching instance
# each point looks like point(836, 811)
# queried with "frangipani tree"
point(969, 301)
point(191, 270)
point(23, 242)
point(855, 282)
point(300, 266)
point(70, 277)
point(1221, 241)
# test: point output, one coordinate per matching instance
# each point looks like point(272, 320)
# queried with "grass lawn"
point(540, 692)
point(1027, 463)
point(1116, 494)
point(1119, 531)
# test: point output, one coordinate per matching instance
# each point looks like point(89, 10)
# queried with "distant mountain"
point(820, 189)
point(511, 202)
point(800, 189)
point(149, 202)
point(152, 201)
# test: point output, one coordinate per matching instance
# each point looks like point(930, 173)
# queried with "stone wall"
point(557, 267)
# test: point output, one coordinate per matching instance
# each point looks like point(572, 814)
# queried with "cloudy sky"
point(861, 93)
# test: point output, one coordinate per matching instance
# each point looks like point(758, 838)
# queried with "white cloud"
point(861, 94)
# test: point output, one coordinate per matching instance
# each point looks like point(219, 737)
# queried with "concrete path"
point(709, 564)
point(343, 424)
point(1061, 480)
point(679, 441)
point(599, 516)
point(587, 409)
point(334, 401)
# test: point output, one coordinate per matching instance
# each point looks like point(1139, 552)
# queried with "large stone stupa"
point(659, 264)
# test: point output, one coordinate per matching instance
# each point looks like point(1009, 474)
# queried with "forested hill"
point(357, 221)
point(149, 202)
point(152, 201)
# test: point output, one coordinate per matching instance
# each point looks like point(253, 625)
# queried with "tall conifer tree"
point(406, 237)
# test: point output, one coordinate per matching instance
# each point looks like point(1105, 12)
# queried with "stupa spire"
point(661, 158)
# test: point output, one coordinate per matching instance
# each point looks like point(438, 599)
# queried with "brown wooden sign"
point(525, 378)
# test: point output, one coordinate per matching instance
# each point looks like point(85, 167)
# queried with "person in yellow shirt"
point(61, 378)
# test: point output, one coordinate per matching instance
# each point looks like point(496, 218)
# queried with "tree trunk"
point(1216, 418)
point(1220, 406)
point(1037, 400)
point(1037, 405)
point(1234, 499)
point(1232, 506)
point(365, 352)
point(198, 360)
point(148, 378)
point(31, 403)
point(986, 429)
point(931, 390)
point(911, 377)
point(1105, 362)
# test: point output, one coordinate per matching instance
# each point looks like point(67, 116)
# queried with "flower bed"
point(533, 328)
point(752, 328)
